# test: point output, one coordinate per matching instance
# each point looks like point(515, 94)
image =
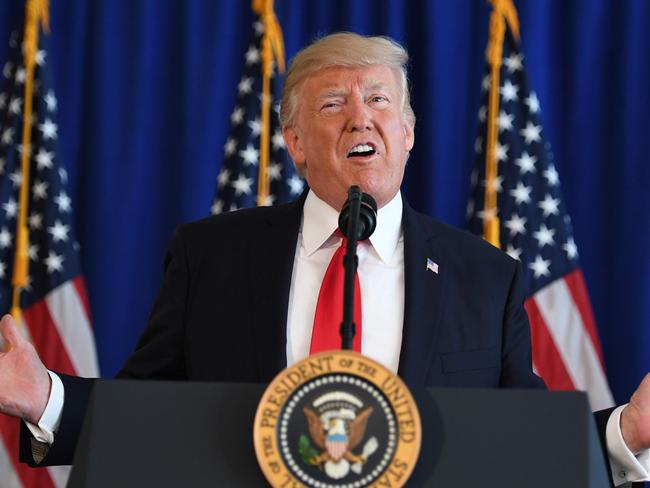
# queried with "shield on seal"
point(337, 445)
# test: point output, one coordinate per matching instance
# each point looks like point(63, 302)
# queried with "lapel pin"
point(432, 266)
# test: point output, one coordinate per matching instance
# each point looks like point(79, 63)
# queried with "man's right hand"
point(24, 381)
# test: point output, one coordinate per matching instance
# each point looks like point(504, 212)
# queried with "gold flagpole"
point(35, 11)
point(272, 48)
point(502, 11)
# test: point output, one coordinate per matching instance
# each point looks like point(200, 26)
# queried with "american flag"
point(237, 179)
point(55, 309)
point(536, 229)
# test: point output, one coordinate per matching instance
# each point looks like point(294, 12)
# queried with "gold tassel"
point(272, 51)
point(36, 11)
point(502, 11)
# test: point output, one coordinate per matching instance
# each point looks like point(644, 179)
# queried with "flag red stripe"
point(45, 337)
point(80, 285)
point(546, 356)
point(576, 283)
point(29, 477)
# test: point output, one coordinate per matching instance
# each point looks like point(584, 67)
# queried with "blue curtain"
point(145, 91)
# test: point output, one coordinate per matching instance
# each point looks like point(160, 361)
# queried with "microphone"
point(367, 214)
point(357, 221)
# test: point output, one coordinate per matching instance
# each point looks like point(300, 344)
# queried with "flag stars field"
point(10, 208)
point(223, 177)
point(516, 225)
point(531, 132)
point(513, 252)
point(550, 205)
point(54, 262)
point(250, 155)
point(5, 238)
point(540, 266)
point(49, 129)
point(509, 92)
point(35, 221)
point(237, 116)
point(242, 185)
point(50, 101)
point(39, 190)
point(570, 248)
point(63, 201)
point(544, 236)
point(245, 86)
point(521, 193)
point(526, 163)
point(59, 231)
point(230, 147)
point(237, 180)
point(532, 102)
point(252, 56)
point(514, 62)
point(43, 159)
point(551, 175)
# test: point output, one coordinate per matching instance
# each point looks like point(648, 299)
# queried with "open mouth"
point(361, 150)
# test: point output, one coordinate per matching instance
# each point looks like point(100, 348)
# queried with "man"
point(241, 290)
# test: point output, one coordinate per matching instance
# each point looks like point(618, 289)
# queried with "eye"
point(378, 99)
point(330, 107)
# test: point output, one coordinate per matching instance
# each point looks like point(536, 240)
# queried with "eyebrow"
point(370, 85)
point(373, 85)
point(332, 93)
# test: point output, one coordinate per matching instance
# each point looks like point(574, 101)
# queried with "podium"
point(169, 434)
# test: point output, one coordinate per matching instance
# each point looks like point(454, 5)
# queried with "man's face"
point(349, 130)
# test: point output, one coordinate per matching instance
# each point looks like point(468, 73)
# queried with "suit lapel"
point(423, 297)
point(271, 265)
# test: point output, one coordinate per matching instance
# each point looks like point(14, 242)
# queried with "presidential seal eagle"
point(337, 433)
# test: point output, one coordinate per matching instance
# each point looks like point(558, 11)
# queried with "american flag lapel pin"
point(432, 266)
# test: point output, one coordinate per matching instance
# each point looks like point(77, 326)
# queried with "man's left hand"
point(635, 418)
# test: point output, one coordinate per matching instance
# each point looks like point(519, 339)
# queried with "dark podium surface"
point(169, 434)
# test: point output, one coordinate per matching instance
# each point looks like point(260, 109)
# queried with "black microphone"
point(367, 214)
point(357, 221)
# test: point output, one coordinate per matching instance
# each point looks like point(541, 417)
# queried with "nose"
point(359, 116)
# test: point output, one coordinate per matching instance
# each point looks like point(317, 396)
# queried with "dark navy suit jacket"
point(222, 309)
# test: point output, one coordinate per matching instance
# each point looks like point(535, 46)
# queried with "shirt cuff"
point(51, 418)
point(625, 466)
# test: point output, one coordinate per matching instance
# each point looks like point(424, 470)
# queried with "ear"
point(293, 141)
point(409, 136)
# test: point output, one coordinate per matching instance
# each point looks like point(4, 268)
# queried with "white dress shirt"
point(381, 276)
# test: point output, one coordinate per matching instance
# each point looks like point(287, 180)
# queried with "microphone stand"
point(350, 261)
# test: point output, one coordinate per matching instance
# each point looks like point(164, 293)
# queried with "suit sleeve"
point(159, 353)
point(517, 358)
point(61, 452)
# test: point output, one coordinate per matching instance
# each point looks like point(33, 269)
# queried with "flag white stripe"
point(8, 477)
point(70, 319)
point(59, 475)
point(573, 342)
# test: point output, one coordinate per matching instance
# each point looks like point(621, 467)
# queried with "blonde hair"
point(347, 50)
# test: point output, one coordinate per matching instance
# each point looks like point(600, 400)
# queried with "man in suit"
point(241, 290)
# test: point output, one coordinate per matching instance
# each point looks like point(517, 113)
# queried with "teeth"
point(359, 148)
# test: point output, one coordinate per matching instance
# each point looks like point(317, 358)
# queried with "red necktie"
point(329, 309)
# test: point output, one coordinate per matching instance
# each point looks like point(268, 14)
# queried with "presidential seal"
point(337, 419)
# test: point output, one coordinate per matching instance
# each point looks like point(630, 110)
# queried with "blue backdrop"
point(145, 91)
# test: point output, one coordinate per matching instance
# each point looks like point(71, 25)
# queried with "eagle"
point(336, 437)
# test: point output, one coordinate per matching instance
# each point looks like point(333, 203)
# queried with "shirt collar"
point(319, 221)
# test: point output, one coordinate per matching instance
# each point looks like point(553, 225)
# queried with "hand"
point(24, 381)
point(635, 419)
